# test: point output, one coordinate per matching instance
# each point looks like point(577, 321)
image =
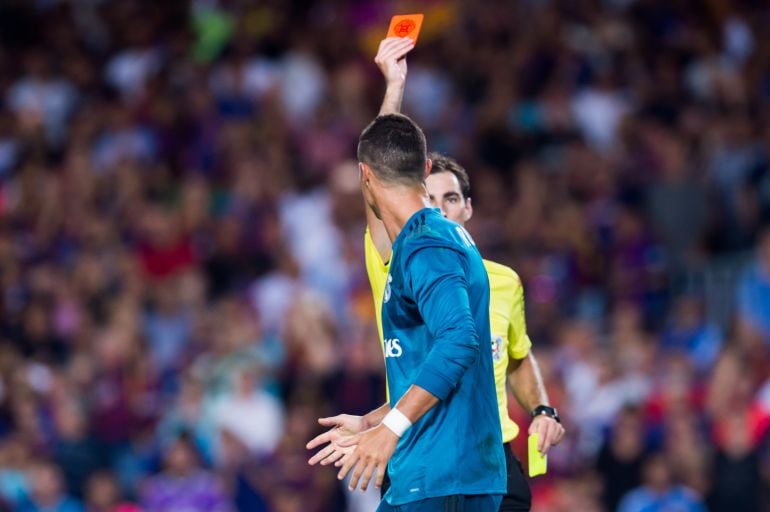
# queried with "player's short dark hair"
point(394, 147)
point(443, 163)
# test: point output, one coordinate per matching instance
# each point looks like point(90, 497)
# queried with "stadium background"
point(181, 260)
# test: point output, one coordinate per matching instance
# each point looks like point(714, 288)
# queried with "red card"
point(405, 25)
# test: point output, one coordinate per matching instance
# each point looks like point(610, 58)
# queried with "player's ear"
point(364, 172)
point(428, 167)
point(468, 210)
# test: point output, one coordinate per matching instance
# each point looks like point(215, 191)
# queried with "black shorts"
point(519, 497)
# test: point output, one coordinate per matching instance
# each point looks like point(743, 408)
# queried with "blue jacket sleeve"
point(440, 290)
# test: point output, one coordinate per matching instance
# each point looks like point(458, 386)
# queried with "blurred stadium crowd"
point(181, 240)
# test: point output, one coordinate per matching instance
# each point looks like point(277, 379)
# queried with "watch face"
point(545, 409)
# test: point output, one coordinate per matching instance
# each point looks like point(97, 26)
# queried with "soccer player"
point(440, 432)
point(449, 189)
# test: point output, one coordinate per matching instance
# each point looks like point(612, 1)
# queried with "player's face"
point(445, 194)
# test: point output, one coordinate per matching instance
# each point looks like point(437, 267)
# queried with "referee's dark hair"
point(443, 163)
point(394, 147)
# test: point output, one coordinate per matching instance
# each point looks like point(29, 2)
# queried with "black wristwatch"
point(546, 410)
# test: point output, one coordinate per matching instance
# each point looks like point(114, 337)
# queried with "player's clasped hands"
point(350, 447)
point(343, 426)
point(373, 450)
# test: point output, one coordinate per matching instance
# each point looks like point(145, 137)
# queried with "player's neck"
point(398, 205)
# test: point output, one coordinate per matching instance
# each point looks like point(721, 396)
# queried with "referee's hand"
point(372, 451)
point(390, 58)
point(549, 431)
point(344, 426)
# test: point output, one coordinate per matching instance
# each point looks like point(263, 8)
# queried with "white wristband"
point(397, 422)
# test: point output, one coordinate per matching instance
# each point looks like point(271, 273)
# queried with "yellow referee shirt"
point(506, 314)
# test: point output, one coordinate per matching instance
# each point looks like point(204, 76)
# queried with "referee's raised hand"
point(390, 58)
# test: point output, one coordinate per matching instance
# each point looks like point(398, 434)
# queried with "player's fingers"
point(321, 455)
point(343, 460)
point(334, 457)
point(380, 474)
point(367, 476)
point(319, 440)
point(348, 464)
point(331, 421)
point(349, 441)
point(356, 475)
point(331, 454)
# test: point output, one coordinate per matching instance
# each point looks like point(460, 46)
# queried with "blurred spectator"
point(290, 484)
point(659, 492)
point(735, 479)
point(189, 414)
point(678, 203)
point(41, 98)
point(599, 110)
point(183, 484)
point(167, 327)
point(164, 250)
point(250, 414)
point(102, 494)
point(75, 451)
point(130, 69)
point(754, 291)
point(47, 491)
point(690, 334)
point(15, 486)
point(620, 458)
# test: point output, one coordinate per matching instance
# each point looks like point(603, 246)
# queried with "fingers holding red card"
point(406, 25)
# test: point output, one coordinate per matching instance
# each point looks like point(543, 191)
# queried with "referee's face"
point(445, 194)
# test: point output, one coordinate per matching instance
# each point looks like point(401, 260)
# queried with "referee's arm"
point(526, 382)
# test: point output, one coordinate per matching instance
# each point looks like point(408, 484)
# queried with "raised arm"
point(391, 59)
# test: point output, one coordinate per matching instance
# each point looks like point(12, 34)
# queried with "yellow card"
point(538, 464)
